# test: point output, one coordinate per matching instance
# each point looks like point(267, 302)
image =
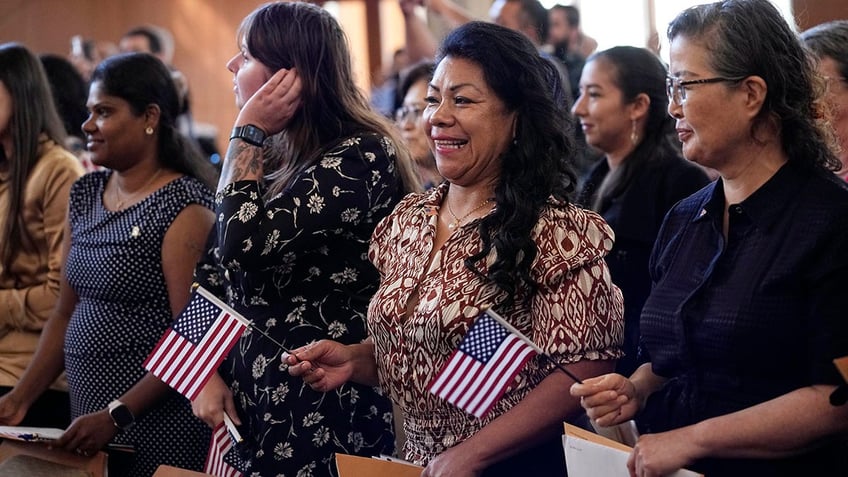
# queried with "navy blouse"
point(733, 323)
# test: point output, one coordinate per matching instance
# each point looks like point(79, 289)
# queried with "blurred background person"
point(289, 250)
point(86, 54)
point(36, 174)
point(745, 316)
point(566, 34)
point(623, 112)
point(500, 230)
point(70, 92)
point(159, 42)
point(151, 39)
point(829, 42)
point(563, 30)
point(387, 82)
point(135, 232)
point(409, 107)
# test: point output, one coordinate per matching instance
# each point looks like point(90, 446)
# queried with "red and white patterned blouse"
point(575, 315)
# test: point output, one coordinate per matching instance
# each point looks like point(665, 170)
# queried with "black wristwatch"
point(122, 417)
point(250, 134)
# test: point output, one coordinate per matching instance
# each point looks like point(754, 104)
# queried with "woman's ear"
point(639, 106)
point(151, 115)
point(755, 89)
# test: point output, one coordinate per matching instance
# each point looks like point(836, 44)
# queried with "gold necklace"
point(117, 192)
point(458, 220)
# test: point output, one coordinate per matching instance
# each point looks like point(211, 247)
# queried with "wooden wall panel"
point(204, 36)
point(812, 12)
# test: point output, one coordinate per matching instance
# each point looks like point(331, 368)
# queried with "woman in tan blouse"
point(35, 177)
point(499, 231)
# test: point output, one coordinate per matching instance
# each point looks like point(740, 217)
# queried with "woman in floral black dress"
point(294, 215)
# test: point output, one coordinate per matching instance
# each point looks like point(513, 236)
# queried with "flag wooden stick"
point(209, 296)
point(538, 350)
point(231, 428)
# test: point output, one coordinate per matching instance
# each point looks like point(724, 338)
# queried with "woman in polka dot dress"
point(135, 233)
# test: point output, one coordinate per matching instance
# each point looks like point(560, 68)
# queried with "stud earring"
point(149, 130)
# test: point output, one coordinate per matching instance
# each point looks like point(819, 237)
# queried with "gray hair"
point(830, 40)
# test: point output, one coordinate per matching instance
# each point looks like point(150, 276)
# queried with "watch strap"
point(250, 134)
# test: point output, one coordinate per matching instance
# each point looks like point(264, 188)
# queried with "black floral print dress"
point(297, 266)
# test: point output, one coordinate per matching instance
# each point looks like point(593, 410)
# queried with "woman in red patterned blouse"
point(499, 231)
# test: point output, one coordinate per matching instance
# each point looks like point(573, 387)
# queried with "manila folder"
point(355, 466)
point(589, 455)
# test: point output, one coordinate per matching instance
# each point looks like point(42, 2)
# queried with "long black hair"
point(637, 71)
point(33, 114)
point(537, 166)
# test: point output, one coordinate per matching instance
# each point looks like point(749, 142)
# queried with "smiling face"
point(114, 133)
point(606, 119)
point(713, 122)
point(249, 74)
point(468, 126)
point(412, 126)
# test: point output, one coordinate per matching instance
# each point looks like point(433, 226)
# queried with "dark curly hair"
point(537, 166)
point(751, 37)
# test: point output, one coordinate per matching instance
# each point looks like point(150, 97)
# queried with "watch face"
point(122, 416)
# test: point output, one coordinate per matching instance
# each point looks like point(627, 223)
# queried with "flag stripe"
point(220, 444)
point(501, 364)
point(506, 378)
point(213, 356)
point(489, 357)
point(205, 359)
point(195, 344)
point(447, 379)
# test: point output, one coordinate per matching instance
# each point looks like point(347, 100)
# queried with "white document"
point(30, 434)
point(591, 455)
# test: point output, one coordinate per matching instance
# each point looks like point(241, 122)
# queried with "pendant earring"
point(634, 137)
point(149, 130)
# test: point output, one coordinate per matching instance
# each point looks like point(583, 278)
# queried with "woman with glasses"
point(746, 312)
point(829, 42)
point(623, 112)
point(411, 93)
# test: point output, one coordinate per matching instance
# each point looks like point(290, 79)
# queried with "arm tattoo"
point(243, 162)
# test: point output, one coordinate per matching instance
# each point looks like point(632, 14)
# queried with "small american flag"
point(196, 343)
point(222, 448)
point(488, 358)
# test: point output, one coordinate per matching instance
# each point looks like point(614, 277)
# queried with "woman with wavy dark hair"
point(499, 231)
point(623, 111)
point(36, 174)
point(745, 316)
point(289, 252)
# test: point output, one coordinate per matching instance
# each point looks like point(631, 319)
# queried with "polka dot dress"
point(115, 267)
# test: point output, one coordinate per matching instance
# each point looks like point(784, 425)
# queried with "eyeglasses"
point(676, 89)
point(408, 113)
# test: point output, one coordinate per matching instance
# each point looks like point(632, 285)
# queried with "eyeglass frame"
point(402, 114)
point(671, 88)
